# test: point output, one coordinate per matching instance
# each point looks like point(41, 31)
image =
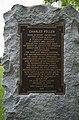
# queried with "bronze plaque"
point(41, 59)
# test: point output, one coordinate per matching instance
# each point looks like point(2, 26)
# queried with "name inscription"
point(41, 59)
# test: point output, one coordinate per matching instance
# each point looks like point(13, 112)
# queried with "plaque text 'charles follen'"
point(42, 59)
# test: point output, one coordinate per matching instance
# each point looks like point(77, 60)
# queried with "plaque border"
point(62, 57)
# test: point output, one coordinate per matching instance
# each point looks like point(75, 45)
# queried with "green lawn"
point(1, 94)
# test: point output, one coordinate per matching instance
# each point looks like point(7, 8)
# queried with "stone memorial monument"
point(41, 61)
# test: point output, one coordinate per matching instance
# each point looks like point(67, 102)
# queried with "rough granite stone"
point(38, 106)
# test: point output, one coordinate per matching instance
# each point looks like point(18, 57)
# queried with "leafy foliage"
point(74, 3)
point(1, 95)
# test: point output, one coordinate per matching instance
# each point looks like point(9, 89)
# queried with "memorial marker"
point(41, 59)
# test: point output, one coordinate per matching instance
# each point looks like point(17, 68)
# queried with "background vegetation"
point(1, 94)
point(74, 3)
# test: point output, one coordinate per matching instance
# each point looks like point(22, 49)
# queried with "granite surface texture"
point(37, 106)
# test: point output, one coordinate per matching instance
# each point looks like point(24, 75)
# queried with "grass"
point(1, 94)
